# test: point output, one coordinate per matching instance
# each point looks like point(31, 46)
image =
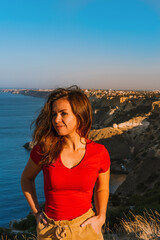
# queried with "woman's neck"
point(74, 142)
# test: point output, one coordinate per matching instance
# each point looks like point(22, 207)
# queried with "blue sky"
point(107, 44)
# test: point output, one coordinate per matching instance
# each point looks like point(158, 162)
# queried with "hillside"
point(130, 131)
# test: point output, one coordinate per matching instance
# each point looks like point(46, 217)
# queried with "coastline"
point(98, 93)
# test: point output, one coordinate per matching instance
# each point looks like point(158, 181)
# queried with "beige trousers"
point(68, 230)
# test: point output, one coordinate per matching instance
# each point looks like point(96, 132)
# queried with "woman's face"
point(63, 120)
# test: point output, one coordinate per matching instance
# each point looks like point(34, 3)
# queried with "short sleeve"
point(105, 161)
point(35, 154)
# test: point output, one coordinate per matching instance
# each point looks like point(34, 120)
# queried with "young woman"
point(72, 165)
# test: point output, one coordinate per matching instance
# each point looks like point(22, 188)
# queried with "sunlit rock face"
point(129, 128)
point(156, 107)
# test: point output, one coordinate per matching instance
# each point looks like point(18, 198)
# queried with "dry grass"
point(22, 237)
point(145, 228)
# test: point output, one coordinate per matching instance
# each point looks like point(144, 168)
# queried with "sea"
point(17, 112)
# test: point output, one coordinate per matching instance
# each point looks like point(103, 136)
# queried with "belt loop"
point(47, 218)
point(60, 230)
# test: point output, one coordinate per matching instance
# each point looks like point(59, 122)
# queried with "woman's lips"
point(59, 127)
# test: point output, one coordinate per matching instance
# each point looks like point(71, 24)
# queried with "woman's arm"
point(28, 184)
point(101, 195)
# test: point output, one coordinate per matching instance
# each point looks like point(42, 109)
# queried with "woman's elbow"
point(25, 181)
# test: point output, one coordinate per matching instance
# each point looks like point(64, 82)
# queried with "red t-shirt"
point(68, 192)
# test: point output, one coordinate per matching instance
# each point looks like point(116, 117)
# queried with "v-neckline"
point(78, 163)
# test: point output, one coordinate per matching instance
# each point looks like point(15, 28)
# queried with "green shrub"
point(7, 234)
point(115, 199)
point(28, 223)
point(141, 187)
point(135, 200)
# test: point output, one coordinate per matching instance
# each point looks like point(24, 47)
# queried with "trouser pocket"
point(93, 233)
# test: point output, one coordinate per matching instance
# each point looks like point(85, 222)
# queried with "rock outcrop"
point(156, 107)
point(28, 145)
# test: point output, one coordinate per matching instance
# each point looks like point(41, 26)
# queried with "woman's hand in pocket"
point(96, 223)
point(40, 218)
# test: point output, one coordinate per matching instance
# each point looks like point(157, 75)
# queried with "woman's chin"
point(61, 133)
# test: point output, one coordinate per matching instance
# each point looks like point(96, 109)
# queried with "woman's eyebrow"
point(59, 111)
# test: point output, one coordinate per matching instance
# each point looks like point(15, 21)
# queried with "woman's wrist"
point(37, 213)
point(102, 218)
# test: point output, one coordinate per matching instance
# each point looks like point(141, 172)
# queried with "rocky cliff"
point(134, 144)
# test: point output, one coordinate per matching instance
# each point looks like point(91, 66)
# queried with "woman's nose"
point(57, 118)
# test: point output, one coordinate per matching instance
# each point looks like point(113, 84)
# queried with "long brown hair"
point(46, 137)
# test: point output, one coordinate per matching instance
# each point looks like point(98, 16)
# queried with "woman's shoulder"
point(100, 152)
point(36, 147)
point(95, 145)
point(35, 154)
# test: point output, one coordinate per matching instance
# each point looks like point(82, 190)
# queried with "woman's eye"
point(64, 113)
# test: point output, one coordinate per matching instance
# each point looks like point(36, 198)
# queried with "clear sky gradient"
point(107, 44)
